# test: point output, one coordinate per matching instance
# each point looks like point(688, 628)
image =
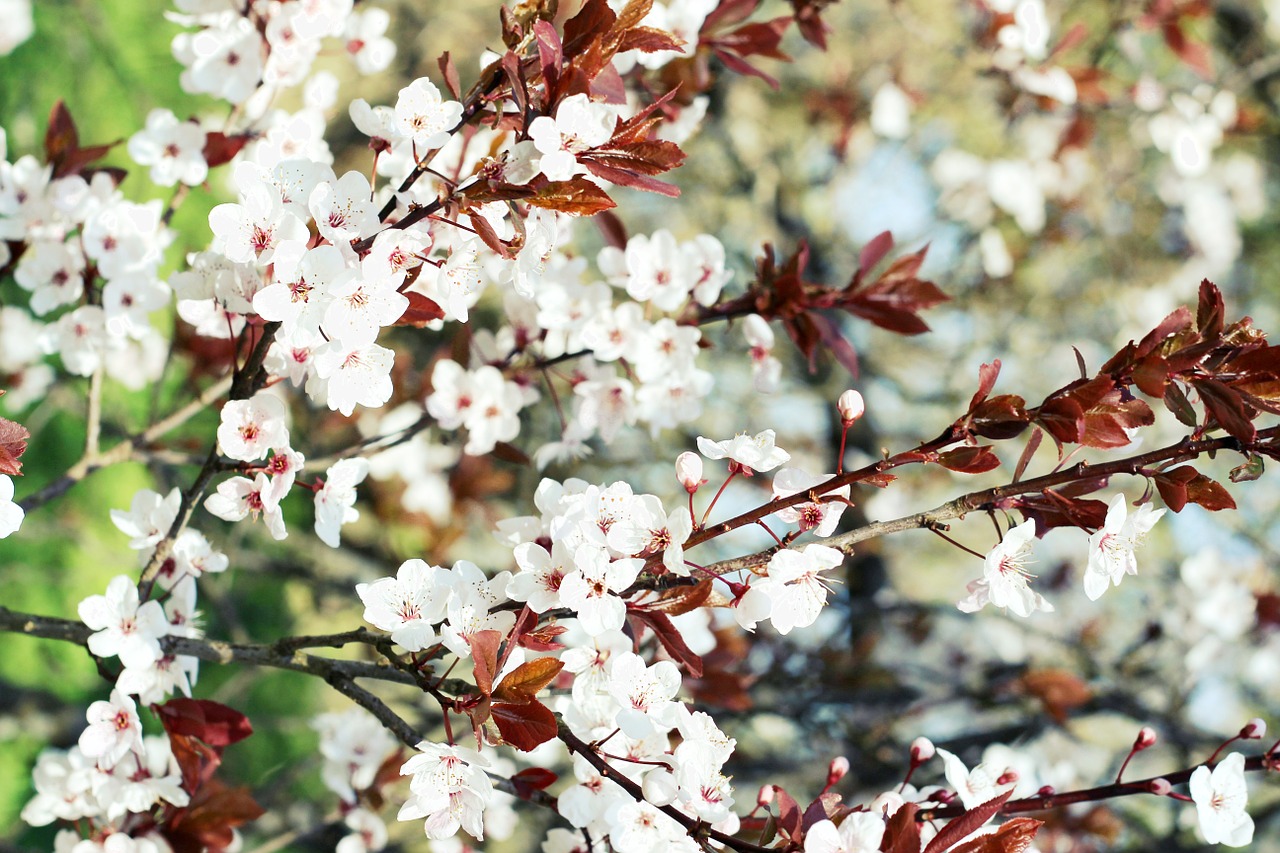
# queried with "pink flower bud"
point(689, 471)
point(1145, 740)
point(851, 407)
point(921, 750)
point(1159, 787)
point(1254, 729)
point(836, 770)
point(1008, 777)
point(765, 797)
point(1046, 791)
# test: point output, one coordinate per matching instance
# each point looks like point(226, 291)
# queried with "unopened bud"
point(851, 407)
point(765, 797)
point(836, 769)
point(1254, 729)
point(689, 471)
point(660, 787)
point(1046, 791)
point(921, 750)
point(1008, 777)
point(1145, 740)
point(1159, 787)
point(887, 803)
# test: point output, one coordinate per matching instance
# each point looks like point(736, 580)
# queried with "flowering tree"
point(611, 614)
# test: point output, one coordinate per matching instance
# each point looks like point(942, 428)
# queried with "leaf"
point(1029, 451)
point(421, 311)
point(962, 826)
point(895, 300)
point(969, 460)
point(1209, 494)
point(684, 599)
point(625, 178)
point(612, 229)
point(987, 375)
point(1210, 311)
point(1252, 468)
point(1014, 836)
point(449, 72)
point(576, 196)
point(1058, 690)
point(523, 683)
point(13, 443)
point(525, 726)
point(484, 654)
point(873, 253)
point(790, 818)
point(669, 636)
point(532, 779)
point(207, 823)
point(1175, 400)
point(1226, 407)
point(543, 639)
point(550, 52)
point(902, 834)
point(219, 148)
point(211, 722)
point(196, 760)
point(1001, 417)
point(1172, 486)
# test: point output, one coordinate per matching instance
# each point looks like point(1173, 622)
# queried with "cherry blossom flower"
point(766, 371)
point(304, 284)
point(249, 429)
point(1004, 581)
point(223, 60)
point(1220, 796)
point(794, 586)
point(123, 626)
point(1111, 549)
point(368, 833)
point(173, 149)
point(149, 517)
point(11, 514)
point(860, 832)
point(357, 376)
point(241, 497)
point(851, 407)
point(580, 124)
point(342, 209)
point(141, 779)
point(360, 308)
point(745, 453)
point(335, 501)
point(820, 517)
point(114, 729)
point(423, 117)
point(449, 788)
point(54, 273)
point(408, 605)
point(355, 746)
point(645, 693)
point(250, 231)
point(975, 786)
point(591, 588)
point(366, 40)
point(541, 573)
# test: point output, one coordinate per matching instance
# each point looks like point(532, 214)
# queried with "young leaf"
point(966, 823)
point(211, 722)
point(526, 725)
point(484, 655)
point(13, 443)
point(523, 683)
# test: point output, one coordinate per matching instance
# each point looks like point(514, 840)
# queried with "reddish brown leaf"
point(684, 599)
point(1250, 470)
point(649, 40)
point(583, 29)
point(669, 636)
point(902, 834)
point(1014, 836)
point(966, 823)
point(969, 460)
point(987, 375)
point(1175, 400)
point(626, 178)
point(790, 818)
point(220, 148)
point(421, 311)
point(207, 823)
point(508, 452)
point(1226, 407)
point(897, 297)
point(214, 723)
point(576, 196)
point(61, 138)
point(13, 443)
point(1210, 494)
point(1058, 690)
point(533, 779)
point(449, 72)
point(543, 639)
point(1151, 375)
point(1001, 417)
point(484, 655)
point(526, 725)
point(196, 760)
point(873, 253)
point(1210, 311)
point(1063, 419)
point(523, 683)
point(550, 52)
point(1177, 321)
point(1029, 451)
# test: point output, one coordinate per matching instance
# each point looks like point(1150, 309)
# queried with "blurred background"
point(1073, 186)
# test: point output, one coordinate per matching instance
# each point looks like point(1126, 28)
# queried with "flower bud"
point(1159, 787)
point(1046, 791)
point(689, 471)
point(921, 750)
point(851, 407)
point(1008, 777)
point(887, 803)
point(660, 787)
point(765, 796)
point(1145, 740)
point(1254, 729)
point(836, 769)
